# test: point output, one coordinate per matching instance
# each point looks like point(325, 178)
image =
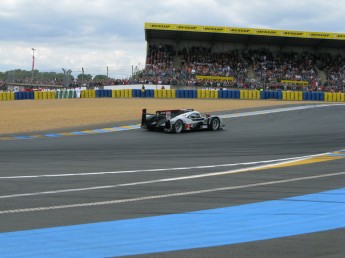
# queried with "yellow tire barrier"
point(164, 93)
point(4, 96)
point(169, 94)
point(207, 94)
point(10, 95)
point(250, 94)
point(122, 93)
point(246, 94)
point(297, 95)
point(212, 94)
point(216, 94)
point(198, 92)
point(173, 94)
point(342, 97)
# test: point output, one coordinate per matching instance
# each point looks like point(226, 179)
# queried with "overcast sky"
point(95, 34)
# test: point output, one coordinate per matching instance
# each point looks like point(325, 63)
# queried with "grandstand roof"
point(244, 35)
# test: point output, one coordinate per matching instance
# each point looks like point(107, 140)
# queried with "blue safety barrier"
point(19, 95)
point(183, 94)
point(231, 94)
point(271, 94)
point(24, 95)
point(227, 94)
point(188, 94)
point(318, 96)
point(309, 94)
point(108, 93)
point(103, 93)
point(223, 94)
point(275, 94)
point(234, 94)
point(136, 93)
point(149, 93)
point(322, 96)
point(313, 95)
point(16, 95)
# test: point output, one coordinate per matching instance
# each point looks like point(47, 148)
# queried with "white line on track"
point(165, 169)
point(277, 110)
point(78, 205)
point(247, 169)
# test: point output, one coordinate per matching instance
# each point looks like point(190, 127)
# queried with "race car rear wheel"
point(215, 124)
point(178, 126)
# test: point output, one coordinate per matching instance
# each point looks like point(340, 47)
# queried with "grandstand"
point(216, 56)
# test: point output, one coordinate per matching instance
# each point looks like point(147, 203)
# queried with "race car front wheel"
point(215, 124)
point(178, 126)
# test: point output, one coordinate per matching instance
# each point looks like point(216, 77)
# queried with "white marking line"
point(271, 111)
point(159, 180)
point(165, 169)
point(78, 205)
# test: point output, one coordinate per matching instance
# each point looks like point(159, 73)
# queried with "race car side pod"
point(143, 117)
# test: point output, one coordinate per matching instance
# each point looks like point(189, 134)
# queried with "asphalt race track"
point(268, 185)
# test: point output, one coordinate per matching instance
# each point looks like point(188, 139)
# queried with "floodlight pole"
point(33, 64)
point(82, 77)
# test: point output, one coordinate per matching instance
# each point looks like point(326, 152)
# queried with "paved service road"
point(268, 185)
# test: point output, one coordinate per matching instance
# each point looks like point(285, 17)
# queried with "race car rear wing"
point(143, 117)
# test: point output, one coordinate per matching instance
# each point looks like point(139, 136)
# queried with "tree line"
point(25, 76)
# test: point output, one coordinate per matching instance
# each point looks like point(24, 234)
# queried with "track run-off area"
point(271, 184)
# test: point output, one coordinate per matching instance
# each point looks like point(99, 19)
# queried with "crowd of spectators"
point(334, 67)
point(165, 65)
point(191, 62)
point(273, 67)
